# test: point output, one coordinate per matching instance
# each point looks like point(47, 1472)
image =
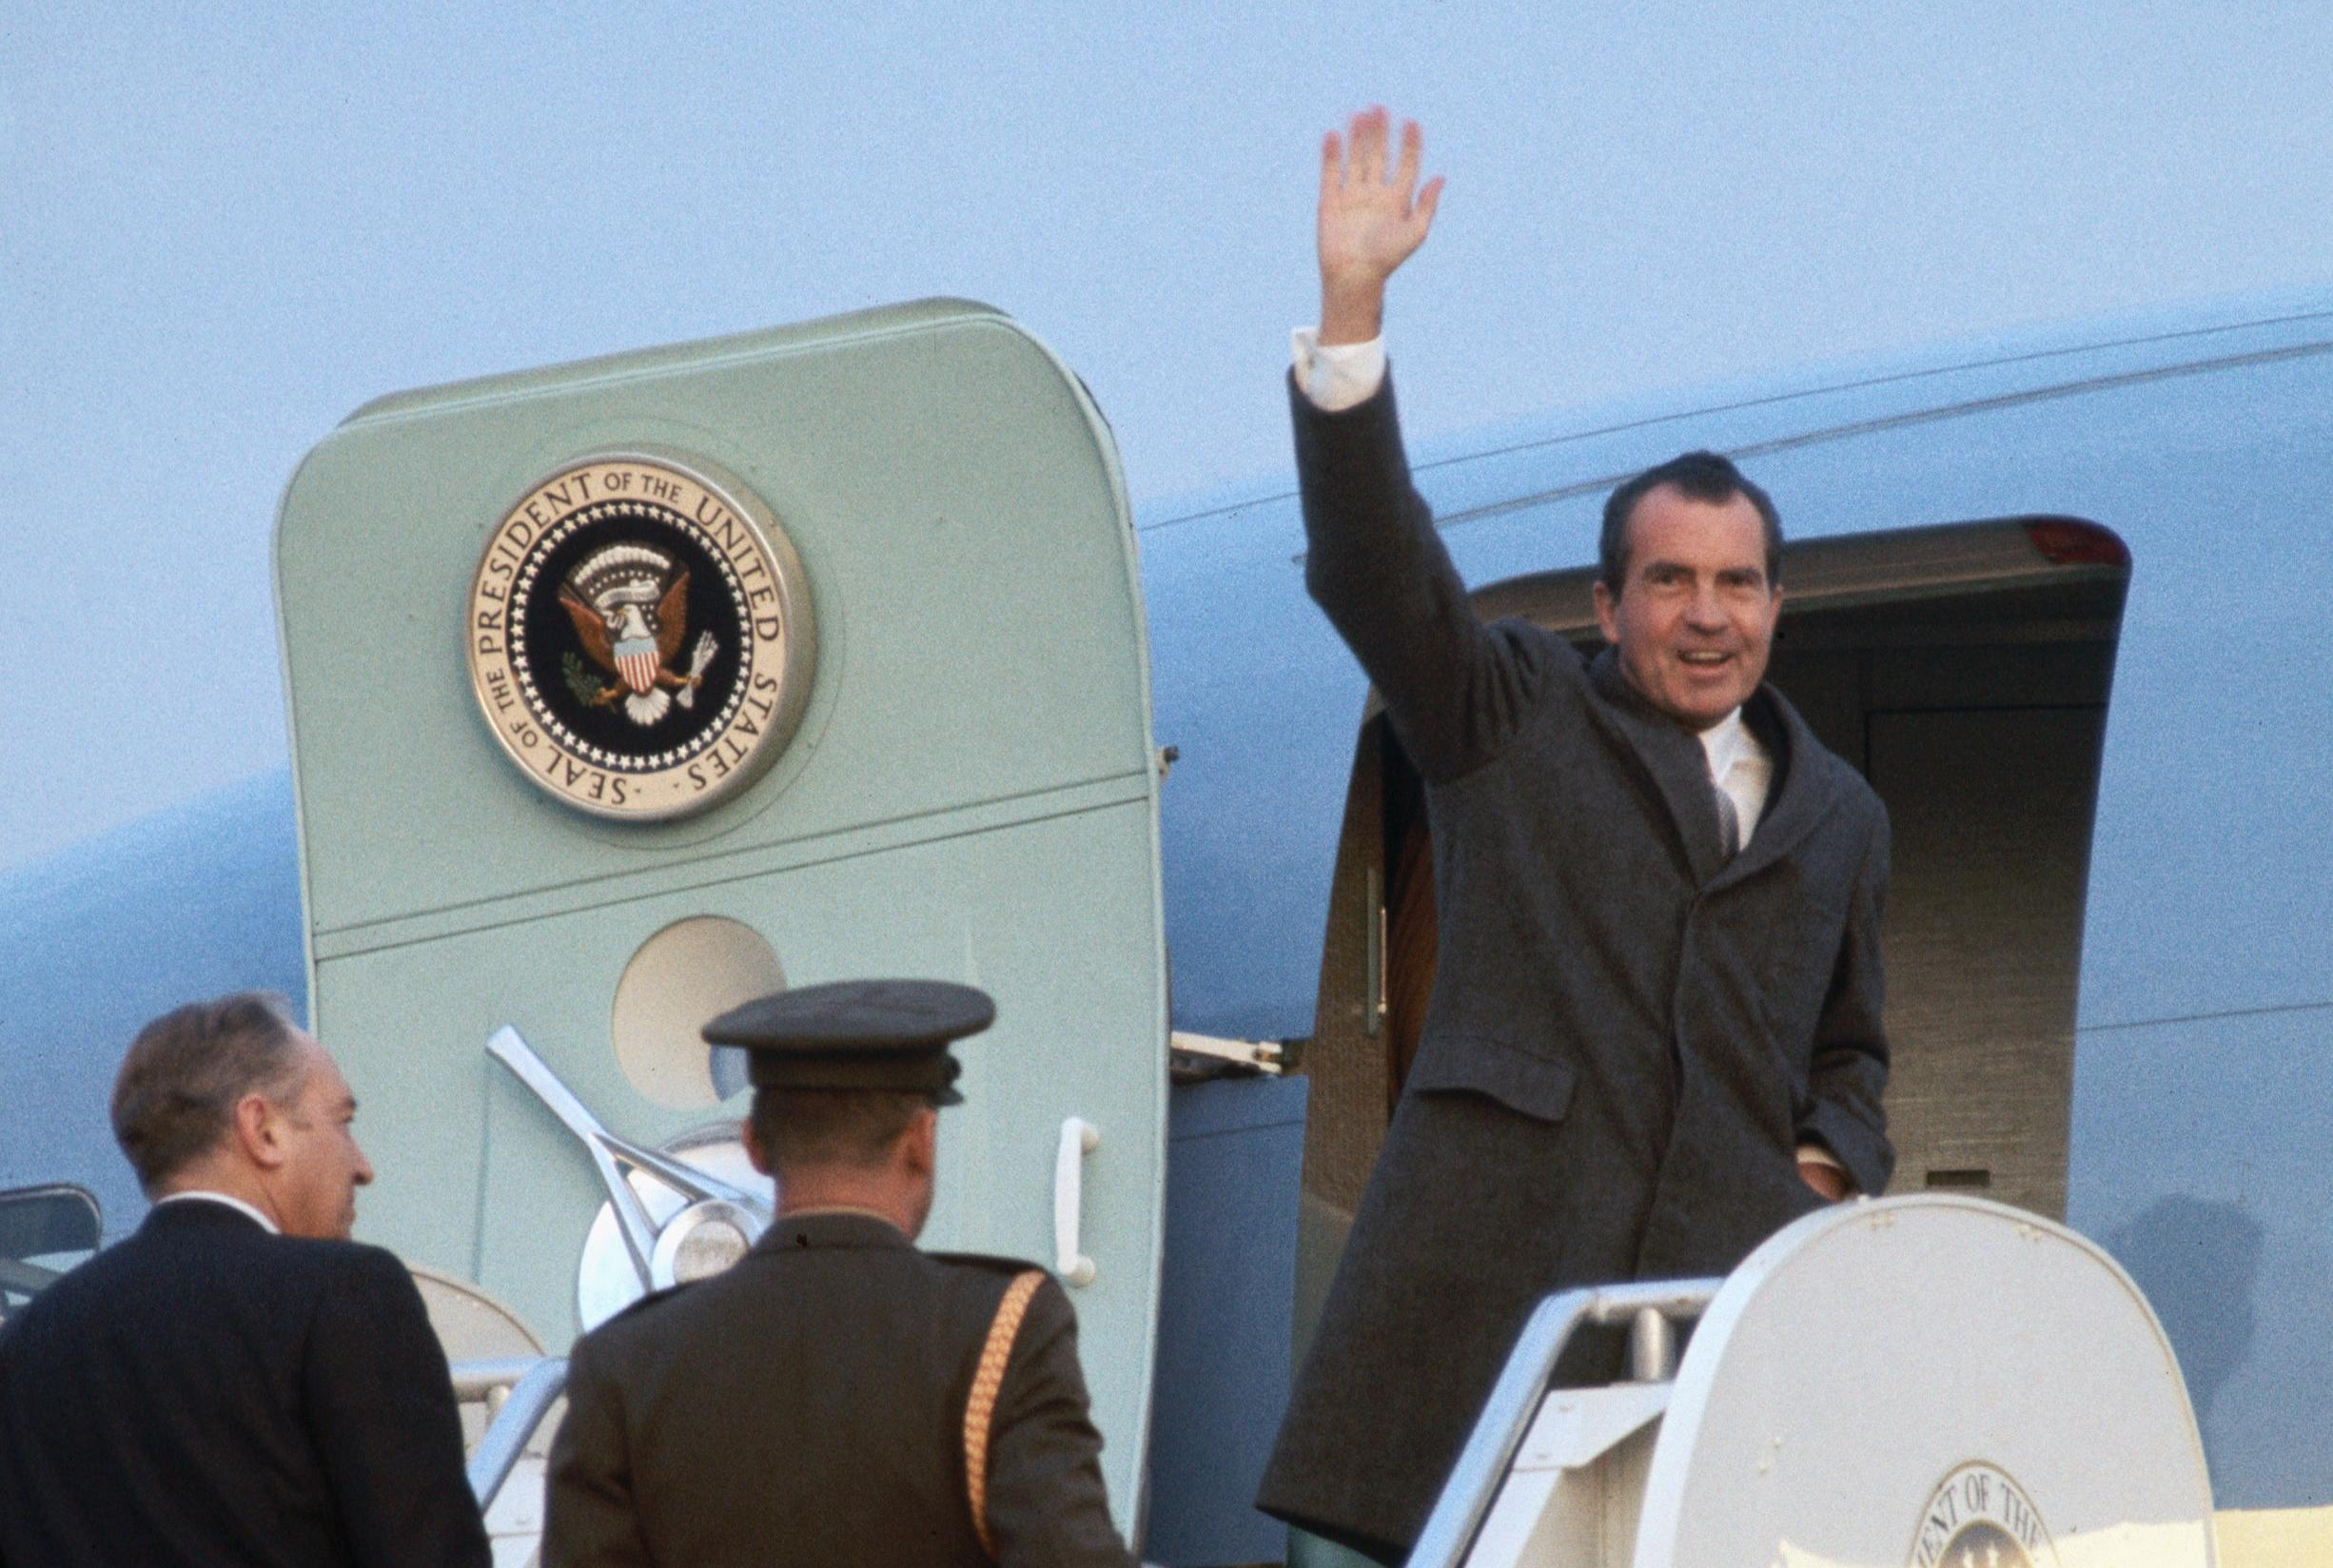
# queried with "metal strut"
point(611, 1154)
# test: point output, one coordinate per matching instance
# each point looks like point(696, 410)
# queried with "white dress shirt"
point(1740, 766)
point(1341, 376)
point(200, 1195)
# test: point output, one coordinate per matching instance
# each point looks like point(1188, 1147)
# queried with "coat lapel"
point(1805, 786)
point(1669, 756)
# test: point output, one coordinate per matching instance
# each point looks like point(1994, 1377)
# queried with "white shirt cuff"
point(1338, 376)
point(1815, 1155)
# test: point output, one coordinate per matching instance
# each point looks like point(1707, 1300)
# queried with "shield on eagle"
point(630, 606)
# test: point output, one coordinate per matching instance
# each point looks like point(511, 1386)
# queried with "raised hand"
point(1371, 219)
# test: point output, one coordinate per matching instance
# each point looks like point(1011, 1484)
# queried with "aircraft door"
point(623, 691)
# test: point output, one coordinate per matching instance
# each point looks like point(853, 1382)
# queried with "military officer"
point(839, 1396)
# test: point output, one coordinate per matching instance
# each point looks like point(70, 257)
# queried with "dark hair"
point(177, 1090)
point(1703, 476)
point(833, 1126)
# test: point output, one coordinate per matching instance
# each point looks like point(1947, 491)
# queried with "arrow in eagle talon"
point(707, 645)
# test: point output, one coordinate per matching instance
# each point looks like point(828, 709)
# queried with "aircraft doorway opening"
point(1966, 669)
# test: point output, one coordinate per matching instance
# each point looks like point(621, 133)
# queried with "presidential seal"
point(1978, 1517)
point(639, 637)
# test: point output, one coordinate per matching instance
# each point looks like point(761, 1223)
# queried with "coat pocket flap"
point(1539, 1086)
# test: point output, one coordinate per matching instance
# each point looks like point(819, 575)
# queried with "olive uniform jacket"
point(808, 1407)
point(206, 1392)
point(1630, 1035)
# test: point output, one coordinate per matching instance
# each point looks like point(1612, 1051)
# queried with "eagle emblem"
point(629, 605)
point(678, 659)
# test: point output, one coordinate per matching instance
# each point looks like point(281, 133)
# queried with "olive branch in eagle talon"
point(586, 690)
point(631, 612)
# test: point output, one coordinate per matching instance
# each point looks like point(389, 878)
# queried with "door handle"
point(1078, 1139)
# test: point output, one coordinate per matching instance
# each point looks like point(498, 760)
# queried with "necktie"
point(1728, 821)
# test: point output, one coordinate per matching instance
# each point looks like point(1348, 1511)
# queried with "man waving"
point(1654, 1034)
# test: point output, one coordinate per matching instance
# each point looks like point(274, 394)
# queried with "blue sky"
point(222, 227)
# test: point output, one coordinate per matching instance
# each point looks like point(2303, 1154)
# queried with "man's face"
point(314, 1189)
point(1694, 617)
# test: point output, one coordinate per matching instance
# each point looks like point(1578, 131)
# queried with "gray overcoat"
point(1629, 1036)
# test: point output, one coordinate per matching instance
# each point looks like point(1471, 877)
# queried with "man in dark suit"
point(1655, 1033)
point(839, 1396)
point(237, 1383)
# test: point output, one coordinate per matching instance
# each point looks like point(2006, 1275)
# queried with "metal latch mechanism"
point(703, 1224)
point(1206, 1056)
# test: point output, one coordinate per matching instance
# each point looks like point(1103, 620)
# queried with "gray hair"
point(178, 1086)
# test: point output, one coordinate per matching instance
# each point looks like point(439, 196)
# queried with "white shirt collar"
point(1741, 765)
point(1727, 742)
point(210, 1197)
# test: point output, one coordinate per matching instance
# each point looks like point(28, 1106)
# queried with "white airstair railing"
point(520, 1393)
point(1651, 1311)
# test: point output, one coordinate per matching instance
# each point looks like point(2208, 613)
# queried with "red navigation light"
point(2070, 541)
